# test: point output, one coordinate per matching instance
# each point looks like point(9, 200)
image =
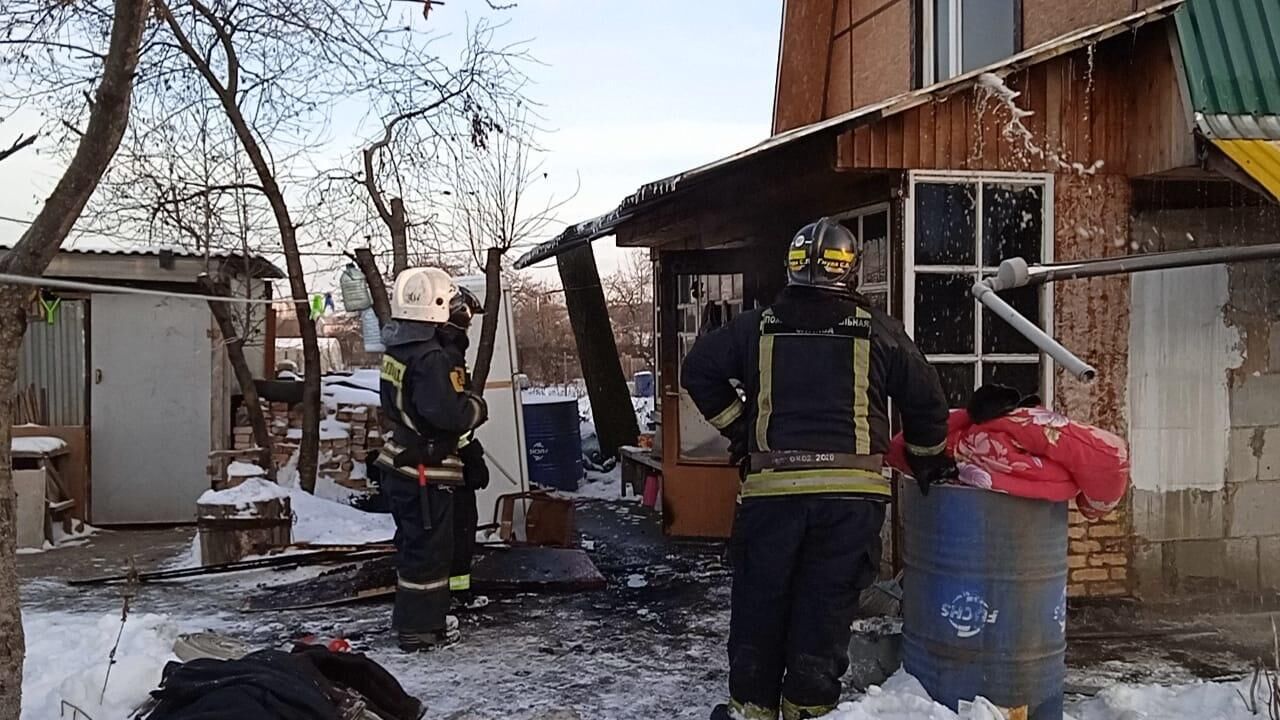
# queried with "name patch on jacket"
point(850, 327)
point(459, 378)
point(392, 371)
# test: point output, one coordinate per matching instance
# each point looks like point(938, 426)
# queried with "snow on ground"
point(62, 539)
point(253, 490)
point(320, 520)
point(37, 445)
point(245, 470)
point(67, 659)
point(602, 486)
point(903, 698)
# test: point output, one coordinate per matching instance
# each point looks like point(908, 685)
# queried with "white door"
point(150, 422)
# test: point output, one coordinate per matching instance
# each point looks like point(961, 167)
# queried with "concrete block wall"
point(1198, 528)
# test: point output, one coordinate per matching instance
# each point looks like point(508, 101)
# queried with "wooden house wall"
point(1116, 103)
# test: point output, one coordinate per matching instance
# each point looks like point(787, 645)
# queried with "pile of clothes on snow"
point(312, 682)
point(1008, 443)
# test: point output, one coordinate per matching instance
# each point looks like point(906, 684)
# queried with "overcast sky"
point(631, 92)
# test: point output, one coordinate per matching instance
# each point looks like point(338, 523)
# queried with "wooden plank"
point(844, 150)
point(912, 138)
point(1085, 90)
point(961, 130)
point(1053, 108)
point(879, 143)
point(988, 127)
point(928, 135)
point(1036, 124)
point(894, 129)
point(862, 147)
point(942, 135)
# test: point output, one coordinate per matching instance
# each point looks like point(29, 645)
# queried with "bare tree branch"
point(23, 141)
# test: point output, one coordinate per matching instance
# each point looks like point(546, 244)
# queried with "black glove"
point(475, 471)
point(736, 433)
point(930, 470)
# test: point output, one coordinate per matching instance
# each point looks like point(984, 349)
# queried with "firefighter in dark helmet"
point(816, 371)
point(426, 400)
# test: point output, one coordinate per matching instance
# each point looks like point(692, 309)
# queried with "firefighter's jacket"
point(815, 373)
point(424, 397)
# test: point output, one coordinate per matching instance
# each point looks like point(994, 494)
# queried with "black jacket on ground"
point(817, 371)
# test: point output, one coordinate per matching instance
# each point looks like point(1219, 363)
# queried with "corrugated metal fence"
point(53, 361)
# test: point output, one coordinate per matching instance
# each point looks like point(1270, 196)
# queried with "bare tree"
point(425, 127)
point(629, 293)
point(541, 324)
point(31, 26)
point(226, 87)
point(497, 210)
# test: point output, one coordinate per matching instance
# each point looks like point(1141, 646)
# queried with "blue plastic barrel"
point(644, 384)
point(553, 441)
point(985, 597)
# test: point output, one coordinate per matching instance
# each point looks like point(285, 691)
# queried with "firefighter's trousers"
point(799, 565)
point(423, 555)
point(466, 517)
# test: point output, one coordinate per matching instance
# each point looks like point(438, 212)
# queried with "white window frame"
point(909, 270)
point(859, 214)
point(955, 43)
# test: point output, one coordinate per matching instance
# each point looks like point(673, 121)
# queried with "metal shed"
point(141, 381)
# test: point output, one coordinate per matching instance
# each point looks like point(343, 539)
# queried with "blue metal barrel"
point(553, 441)
point(985, 597)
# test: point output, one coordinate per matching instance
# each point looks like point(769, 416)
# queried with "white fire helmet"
point(423, 295)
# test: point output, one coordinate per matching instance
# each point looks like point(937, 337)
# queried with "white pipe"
point(1054, 349)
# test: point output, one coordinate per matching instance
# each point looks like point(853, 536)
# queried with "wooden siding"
point(1117, 103)
point(1047, 19)
point(802, 67)
point(840, 54)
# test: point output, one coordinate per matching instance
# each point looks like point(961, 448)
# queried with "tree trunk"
point(373, 278)
point(234, 343)
point(399, 226)
point(597, 350)
point(489, 322)
point(309, 451)
point(108, 117)
point(13, 323)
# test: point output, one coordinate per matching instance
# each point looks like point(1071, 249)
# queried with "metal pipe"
point(1016, 273)
point(1061, 355)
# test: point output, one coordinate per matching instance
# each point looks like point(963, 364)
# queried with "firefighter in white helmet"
point(426, 400)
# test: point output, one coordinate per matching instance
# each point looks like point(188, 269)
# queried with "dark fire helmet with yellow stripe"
point(824, 255)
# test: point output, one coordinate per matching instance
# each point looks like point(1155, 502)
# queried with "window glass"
point(1012, 223)
point(987, 30)
point(946, 224)
point(944, 314)
point(1024, 377)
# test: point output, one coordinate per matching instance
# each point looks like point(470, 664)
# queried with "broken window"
point(962, 228)
point(964, 35)
point(704, 303)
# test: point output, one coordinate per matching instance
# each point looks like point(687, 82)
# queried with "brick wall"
point(340, 457)
point(1098, 559)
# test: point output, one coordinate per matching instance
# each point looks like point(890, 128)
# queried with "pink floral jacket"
point(1036, 453)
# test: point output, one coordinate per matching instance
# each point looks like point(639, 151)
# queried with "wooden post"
point(615, 417)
